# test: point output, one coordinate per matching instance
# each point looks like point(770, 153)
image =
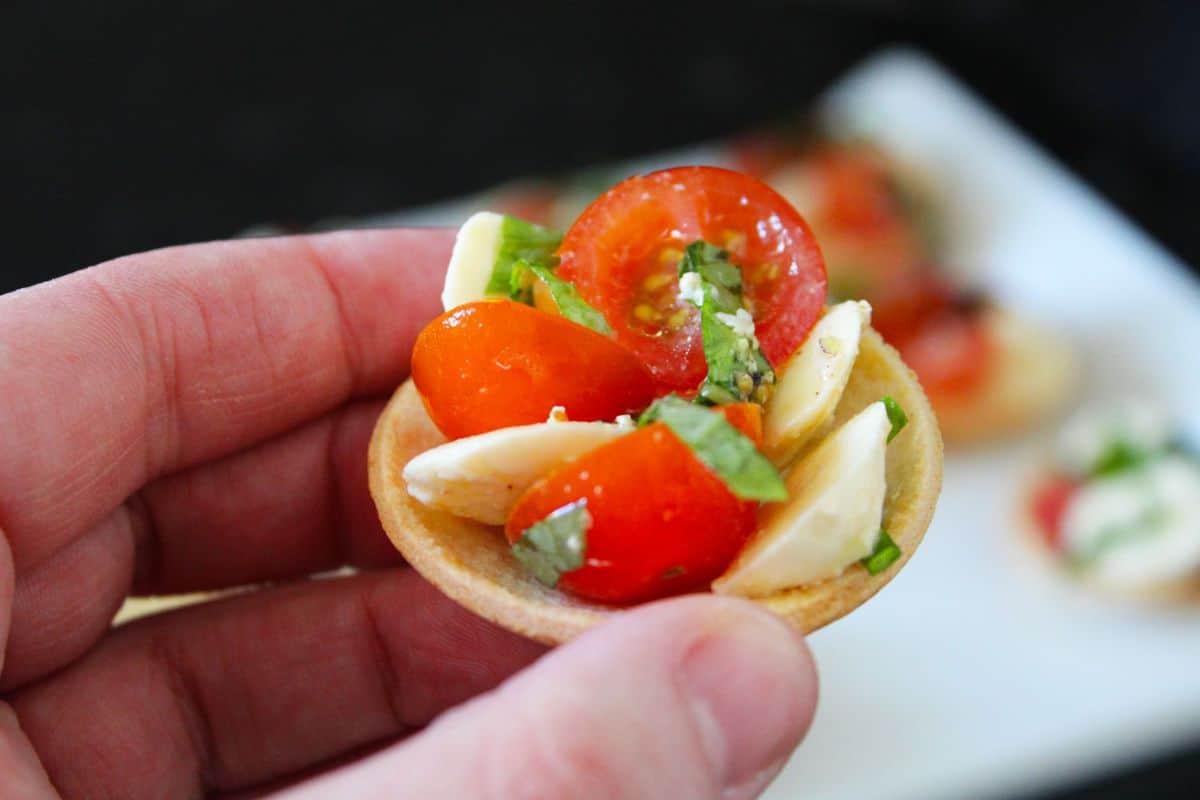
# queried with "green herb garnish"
point(885, 554)
point(1119, 456)
point(556, 544)
point(721, 447)
point(737, 369)
point(570, 304)
point(896, 416)
point(521, 241)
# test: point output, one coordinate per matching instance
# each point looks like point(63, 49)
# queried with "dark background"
point(130, 125)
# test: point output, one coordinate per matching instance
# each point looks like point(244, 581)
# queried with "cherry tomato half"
point(623, 254)
point(493, 364)
point(662, 522)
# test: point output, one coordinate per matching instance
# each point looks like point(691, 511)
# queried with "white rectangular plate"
point(978, 672)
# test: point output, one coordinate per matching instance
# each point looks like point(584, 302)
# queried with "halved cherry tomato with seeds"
point(493, 364)
point(662, 521)
point(623, 252)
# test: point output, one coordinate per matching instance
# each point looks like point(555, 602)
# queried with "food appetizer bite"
point(1118, 504)
point(657, 402)
point(883, 229)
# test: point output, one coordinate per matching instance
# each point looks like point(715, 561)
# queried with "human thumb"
point(697, 697)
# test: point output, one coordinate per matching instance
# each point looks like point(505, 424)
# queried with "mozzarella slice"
point(832, 516)
point(475, 249)
point(480, 477)
point(811, 382)
point(1140, 527)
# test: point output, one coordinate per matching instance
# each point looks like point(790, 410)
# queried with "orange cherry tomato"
point(1050, 501)
point(746, 417)
point(623, 253)
point(493, 364)
point(662, 522)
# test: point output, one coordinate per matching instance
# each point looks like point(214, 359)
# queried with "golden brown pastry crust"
point(471, 563)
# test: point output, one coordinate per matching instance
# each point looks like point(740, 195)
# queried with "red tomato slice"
point(493, 364)
point(950, 353)
point(662, 522)
point(623, 252)
point(947, 345)
point(1050, 503)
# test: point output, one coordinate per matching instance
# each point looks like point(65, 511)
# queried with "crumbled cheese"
point(557, 414)
point(625, 422)
point(740, 323)
point(1138, 527)
point(691, 288)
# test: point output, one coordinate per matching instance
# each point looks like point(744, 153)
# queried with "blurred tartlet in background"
point(1116, 503)
point(883, 227)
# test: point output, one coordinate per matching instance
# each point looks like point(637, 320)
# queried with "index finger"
point(150, 363)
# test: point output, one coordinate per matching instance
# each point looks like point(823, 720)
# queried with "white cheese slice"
point(811, 382)
point(481, 477)
point(832, 516)
point(1138, 527)
point(475, 249)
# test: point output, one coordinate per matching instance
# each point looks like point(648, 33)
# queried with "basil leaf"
point(569, 303)
point(521, 241)
point(896, 416)
point(719, 446)
point(736, 365)
point(885, 554)
point(1118, 457)
point(723, 278)
point(556, 544)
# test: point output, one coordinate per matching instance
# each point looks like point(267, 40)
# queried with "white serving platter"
point(978, 672)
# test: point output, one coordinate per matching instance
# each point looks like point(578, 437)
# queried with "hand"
point(197, 418)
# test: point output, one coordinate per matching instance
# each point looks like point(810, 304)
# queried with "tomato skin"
point(618, 240)
point(746, 417)
point(950, 353)
point(656, 510)
point(1050, 502)
point(945, 342)
point(493, 364)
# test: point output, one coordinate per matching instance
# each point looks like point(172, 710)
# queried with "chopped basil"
point(896, 416)
point(570, 304)
point(556, 544)
point(521, 241)
point(724, 279)
point(1119, 456)
point(885, 554)
point(721, 447)
point(737, 369)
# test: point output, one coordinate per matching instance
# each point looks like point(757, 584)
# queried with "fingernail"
point(751, 685)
